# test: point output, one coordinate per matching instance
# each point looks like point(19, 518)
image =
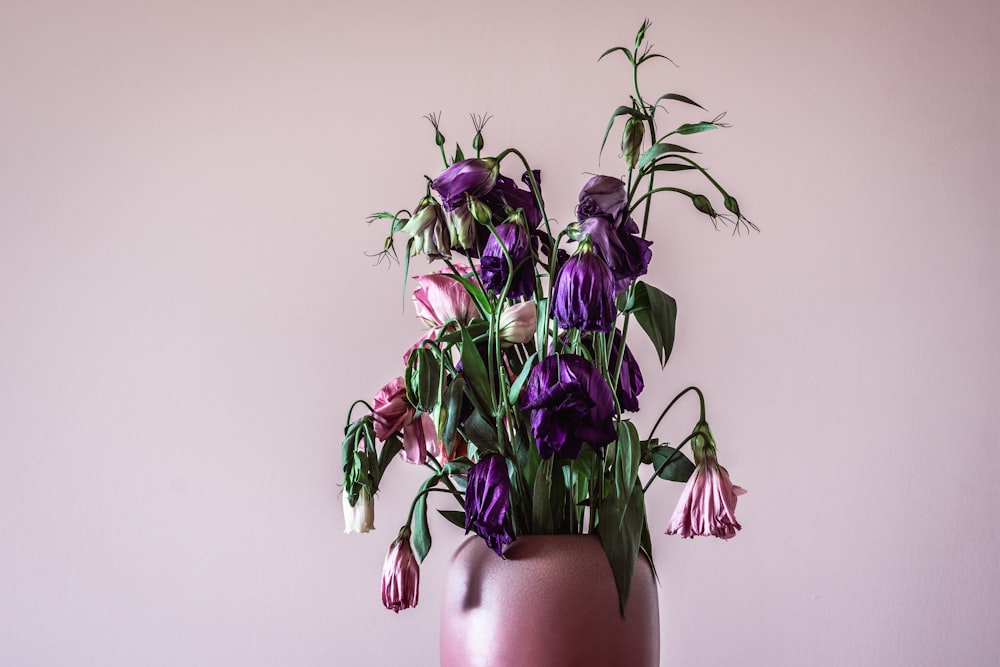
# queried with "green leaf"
point(620, 529)
point(672, 166)
point(659, 150)
point(620, 111)
point(390, 448)
point(627, 456)
point(628, 54)
point(678, 98)
point(515, 389)
point(646, 545)
point(694, 128)
point(481, 433)
point(656, 313)
point(541, 502)
point(476, 376)
point(422, 531)
point(452, 407)
point(423, 379)
point(671, 464)
point(457, 517)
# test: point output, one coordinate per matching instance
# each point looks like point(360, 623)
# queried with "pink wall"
point(187, 310)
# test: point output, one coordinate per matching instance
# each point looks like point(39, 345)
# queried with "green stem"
point(701, 399)
point(668, 460)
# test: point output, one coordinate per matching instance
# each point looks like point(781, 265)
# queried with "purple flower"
point(626, 253)
point(630, 383)
point(493, 265)
point(583, 295)
point(474, 177)
point(487, 502)
point(571, 403)
point(602, 196)
point(400, 575)
point(506, 195)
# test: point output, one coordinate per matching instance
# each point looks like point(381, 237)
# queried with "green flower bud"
point(732, 206)
point(516, 215)
point(481, 213)
point(632, 141)
point(703, 205)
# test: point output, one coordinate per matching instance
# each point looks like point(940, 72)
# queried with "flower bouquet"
point(516, 396)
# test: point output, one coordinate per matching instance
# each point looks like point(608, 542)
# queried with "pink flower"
point(393, 413)
point(518, 322)
point(708, 504)
point(441, 298)
point(400, 575)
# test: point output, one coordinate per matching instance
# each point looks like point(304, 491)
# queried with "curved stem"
point(669, 460)
point(701, 398)
point(652, 192)
point(350, 410)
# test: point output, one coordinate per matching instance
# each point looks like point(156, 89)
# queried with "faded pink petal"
point(707, 505)
point(441, 298)
point(400, 576)
point(419, 437)
point(518, 323)
point(392, 411)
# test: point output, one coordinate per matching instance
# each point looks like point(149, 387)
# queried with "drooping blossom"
point(602, 196)
point(630, 383)
point(583, 295)
point(627, 254)
point(493, 266)
point(506, 195)
point(487, 502)
point(461, 226)
point(429, 230)
point(707, 505)
point(393, 413)
point(473, 177)
point(439, 298)
point(518, 323)
point(570, 403)
point(400, 575)
point(361, 517)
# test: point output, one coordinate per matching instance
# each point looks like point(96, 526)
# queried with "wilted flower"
point(474, 177)
point(487, 501)
point(361, 517)
point(440, 298)
point(461, 226)
point(602, 196)
point(583, 295)
point(518, 323)
point(626, 253)
point(506, 195)
point(400, 575)
point(571, 403)
point(393, 413)
point(707, 505)
point(429, 230)
point(493, 267)
point(630, 383)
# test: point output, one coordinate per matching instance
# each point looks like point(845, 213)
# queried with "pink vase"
point(551, 603)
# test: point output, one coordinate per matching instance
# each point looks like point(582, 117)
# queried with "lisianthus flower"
point(602, 196)
point(518, 323)
point(570, 403)
point(474, 177)
point(707, 505)
point(400, 575)
point(630, 383)
point(583, 295)
point(429, 230)
point(493, 267)
point(506, 195)
point(393, 413)
point(487, 502)
point(461, 226)
point(440, 298)
point(626, 253)
point(361, 517)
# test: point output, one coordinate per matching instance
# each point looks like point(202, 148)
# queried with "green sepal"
point(671, 464)
point(656, 313)
point(459, 155)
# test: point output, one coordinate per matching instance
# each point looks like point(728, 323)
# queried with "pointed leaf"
point(476, 376)
point(541, 504)
point(656, 313)
point(659, 150)
point(628, 54)
point(672, 166)
point(620, 529)
point(671, 464)
point(457, 517)
point(452, 405)
point(620, 111)
point(678, 98)
point(694, 128)
point(421, 531)
point(522, 377)
point(459, 155)
point(627, 456)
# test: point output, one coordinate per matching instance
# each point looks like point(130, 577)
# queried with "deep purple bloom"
point(630, 383)
point(487, 502)
point(626, 253)
point(583, 295)
point(493, 266)
point(473, 177)
point(602, 196)
point(571, 403)
point(505, 194)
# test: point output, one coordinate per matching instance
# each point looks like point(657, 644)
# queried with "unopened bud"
point(517, 216)
point(632, 141)
point(703, 205)
point(481, 213)
point(732, 206)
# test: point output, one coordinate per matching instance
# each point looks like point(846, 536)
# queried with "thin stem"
point(660, 468)
point(701, 398)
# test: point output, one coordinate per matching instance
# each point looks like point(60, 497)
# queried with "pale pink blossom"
point(707, 505)
point(518, 323)
point(361, 517)
point(440, 298)
point(393, 413)
point(400, 576)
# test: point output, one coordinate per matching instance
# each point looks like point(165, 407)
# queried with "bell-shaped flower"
point(473, 177)
point(393, 413)
point(707, 505)
point(506, 196)
point(602, 196)
point(583, 295)
point(626, 253)
point(439, 298)
point(487, 502)
point(462, 226)
point(518, 323)
point(493, 266)
point(361, 517)
point(630, 383)
point(400, 575)
point(570, 403)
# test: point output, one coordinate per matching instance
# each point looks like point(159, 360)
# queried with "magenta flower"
point(583, 295)
point(393, 413)
point(473, 177)
point(570, 403)
point(440, 298)
point(400, 575)
point(487, 502)
point(707, 505)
